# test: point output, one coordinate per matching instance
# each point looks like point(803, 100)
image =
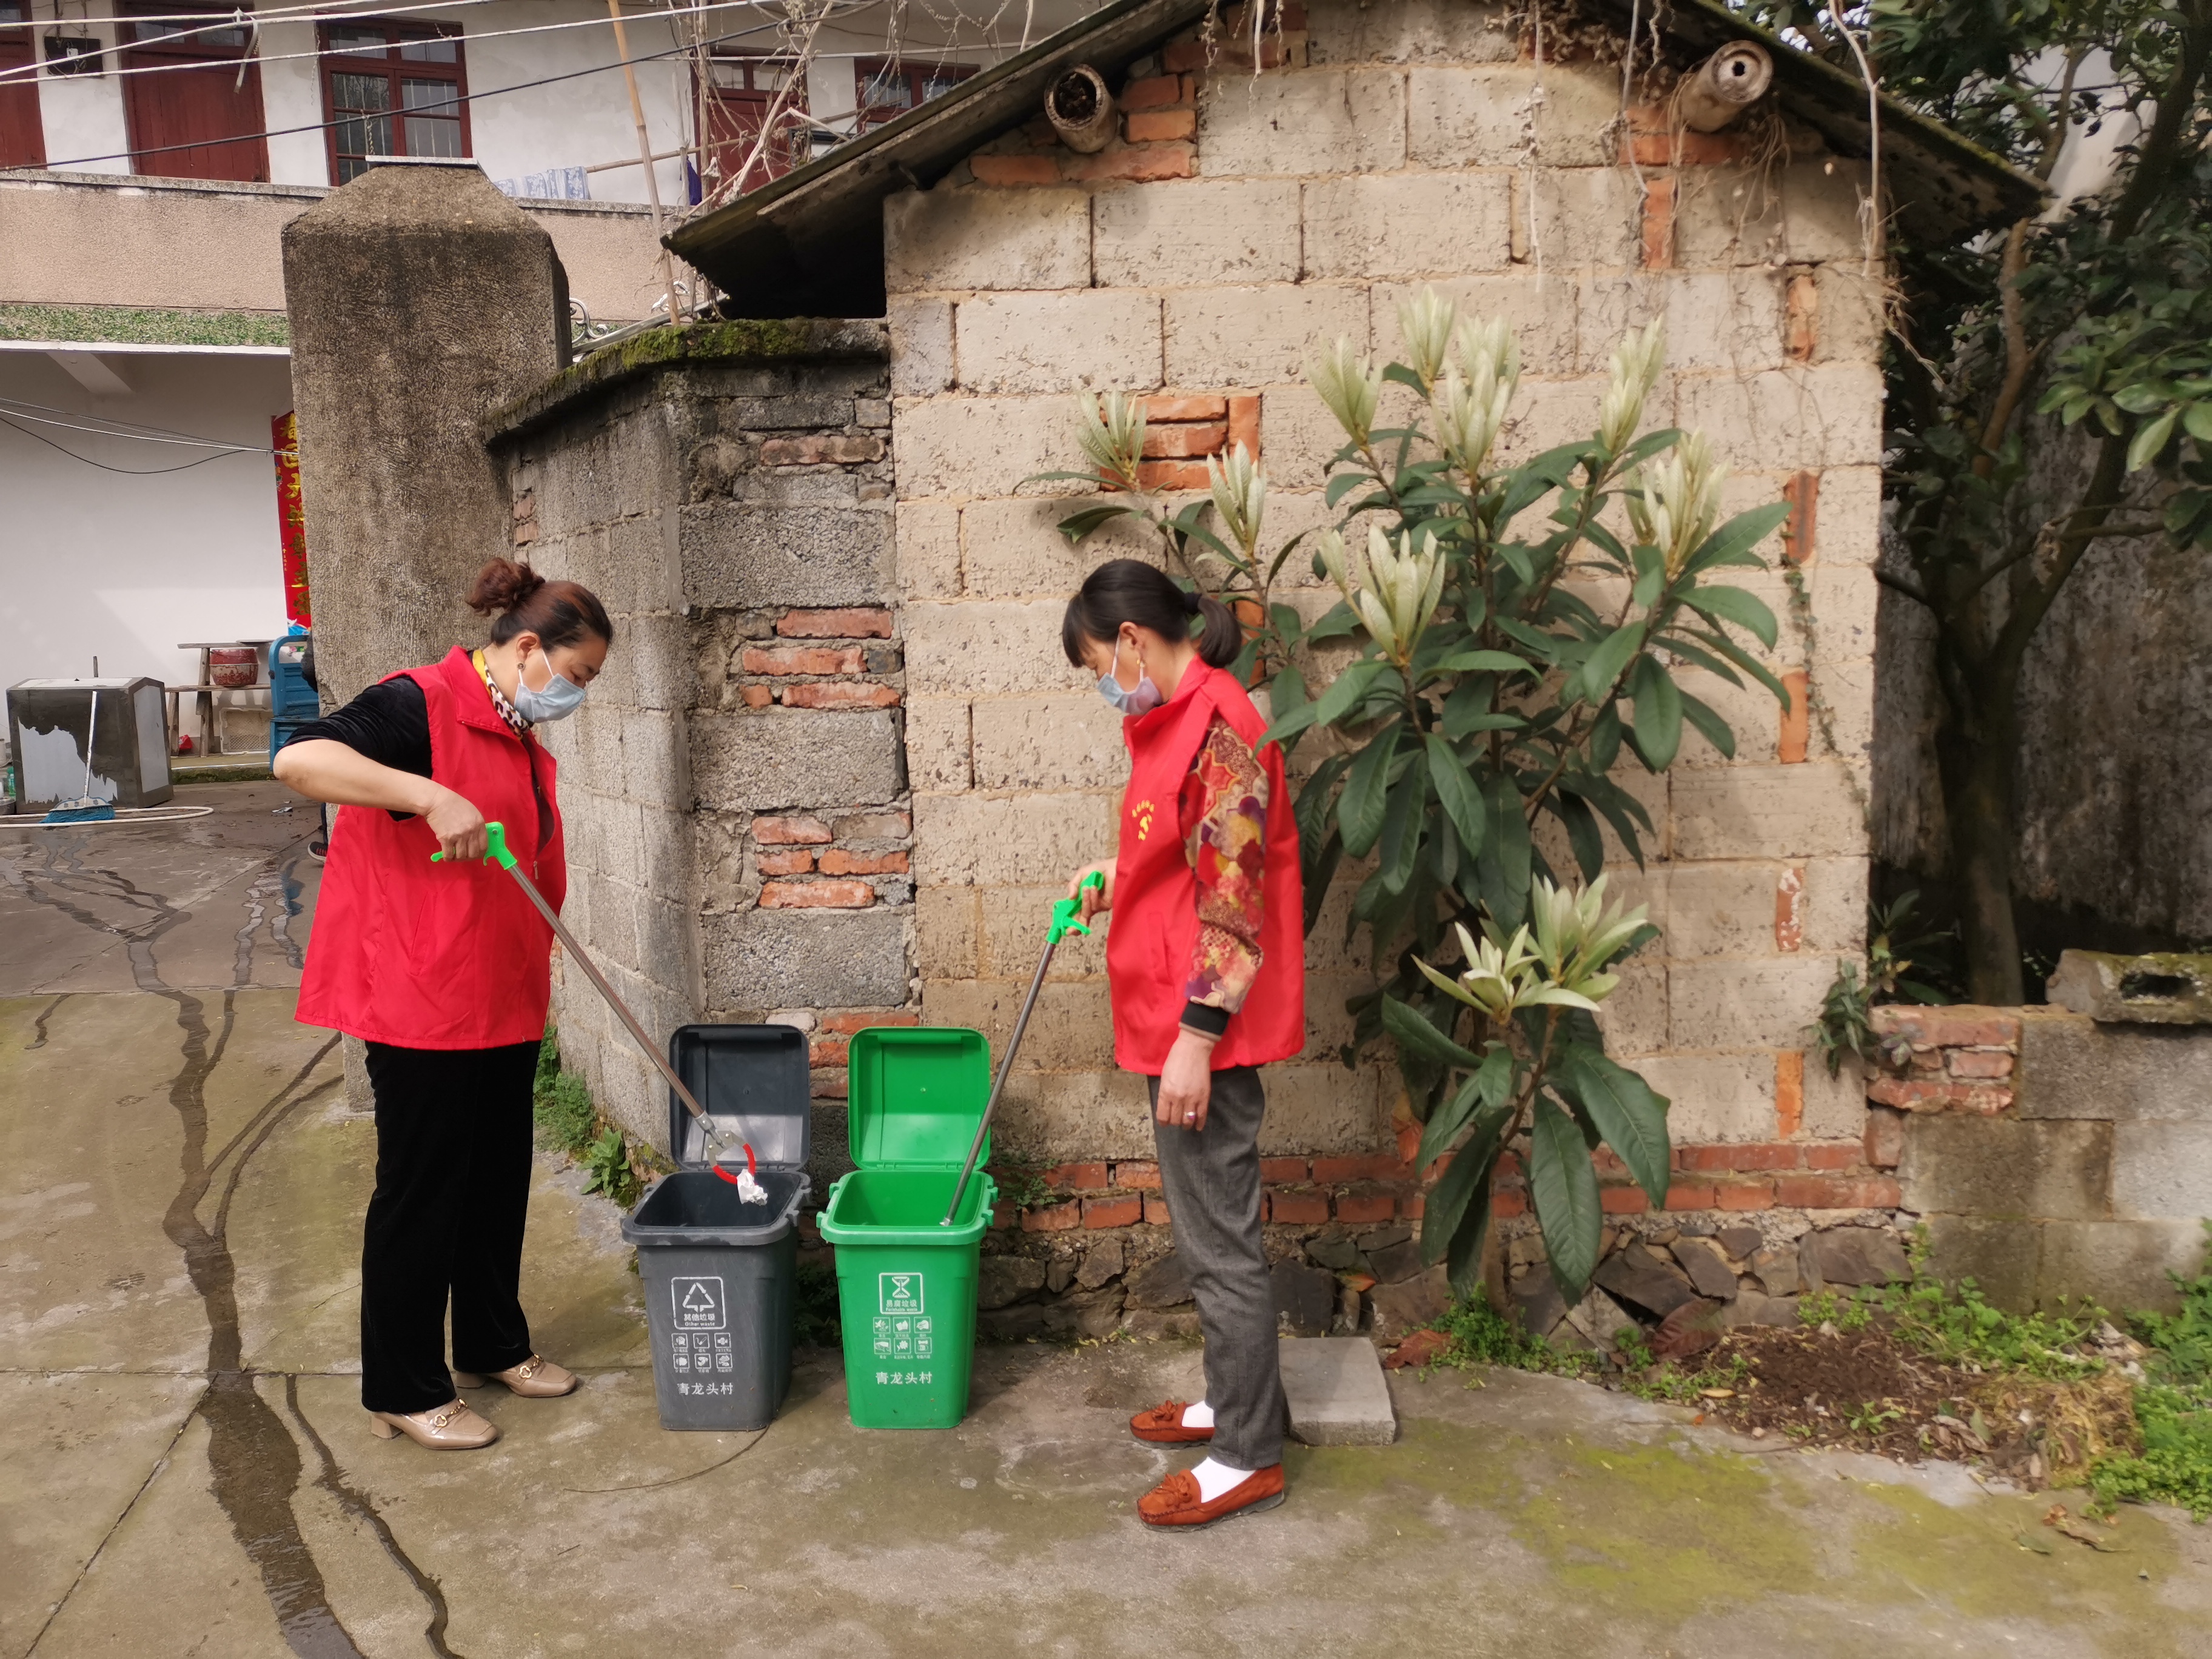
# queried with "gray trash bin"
point(721, 1273)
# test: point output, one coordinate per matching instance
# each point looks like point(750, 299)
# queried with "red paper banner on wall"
point(291, 522)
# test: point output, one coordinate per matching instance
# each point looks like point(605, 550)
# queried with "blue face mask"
point(1142, 700)
point(560, 699)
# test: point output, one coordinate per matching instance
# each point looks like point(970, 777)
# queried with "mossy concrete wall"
point(734, 785)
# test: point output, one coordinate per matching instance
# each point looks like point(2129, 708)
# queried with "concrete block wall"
point(734, 786)
point(1242, 219)
point(2052, 1157)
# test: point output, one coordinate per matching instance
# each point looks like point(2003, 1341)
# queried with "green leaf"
point(1487, 662)
point(1715, 730)
point(1490, 1086)
point(2144, 447)
point(1563, 1185)
point(1460, 1196)
point(1582, 833)
point(1658, 714)
point(1412, 1031)
point(1077, 525)
point(2197, 421)
point(1401, 828)
point(1733, 604)
point(1621, 1104)
point(1359, 809)
point(1338, 621)
point(1347, 691)
point(1732, 542)
point(1320, 869)
point(1289, 723)
point(1343, 484)
point(1743, 659)
point(1457, 792)
point(1504, 862)
point(1603, 666)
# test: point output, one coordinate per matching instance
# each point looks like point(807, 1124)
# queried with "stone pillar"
point(421, 300)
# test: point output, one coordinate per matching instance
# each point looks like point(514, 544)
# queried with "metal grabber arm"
point(1066, 918)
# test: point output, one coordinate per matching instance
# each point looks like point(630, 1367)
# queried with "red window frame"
point(731, 107)
point(348, 142)
point(920, 81)
point(209, 77)
point(22, 132)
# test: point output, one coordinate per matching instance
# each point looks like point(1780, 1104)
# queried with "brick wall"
point(1242, 219)
point(2051, 1156)
point(739, 830)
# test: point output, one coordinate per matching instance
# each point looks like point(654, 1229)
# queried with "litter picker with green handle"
point(1066, 918)
point(746, 1180)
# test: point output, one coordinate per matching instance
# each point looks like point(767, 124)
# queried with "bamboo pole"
point(646, 160)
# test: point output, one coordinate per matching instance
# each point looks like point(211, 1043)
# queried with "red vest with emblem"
point(1154, 923)
point(450, 955)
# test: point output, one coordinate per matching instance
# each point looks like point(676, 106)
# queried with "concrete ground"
point(186, 1468)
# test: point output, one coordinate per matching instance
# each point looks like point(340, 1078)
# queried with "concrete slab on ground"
point(188, 1470)
point(1337, 1393)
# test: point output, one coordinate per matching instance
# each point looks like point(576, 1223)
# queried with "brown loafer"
point(1163, 1426)
point(449, 1428)
point(1175, 1502)
point(535, 1378)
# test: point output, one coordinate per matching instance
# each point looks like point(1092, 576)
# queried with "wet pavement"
point(186, 1468)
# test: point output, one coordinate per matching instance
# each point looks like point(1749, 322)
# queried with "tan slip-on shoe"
point(449, 1428)
point(1176, 1503)
point(1162, 1425)
point(535, 1378)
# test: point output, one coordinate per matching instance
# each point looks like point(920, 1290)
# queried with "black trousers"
point(452, 1190)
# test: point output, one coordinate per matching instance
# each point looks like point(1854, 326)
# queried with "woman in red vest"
point(443, 970)
point(1206, 962)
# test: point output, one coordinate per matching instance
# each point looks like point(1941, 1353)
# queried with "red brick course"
point(777, 830)
point(1056, 1218)
point(1113, 1212)
point(1156, 125)
point(1077, 1177)
point(840, 694)
point(797, 862)
point(802, 660)
point(859, 622)
point(817, 895)
point(1300, 1208)
point(838, 862)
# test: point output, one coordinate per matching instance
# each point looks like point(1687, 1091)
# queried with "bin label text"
point(898, 1294)
point(698, 1303)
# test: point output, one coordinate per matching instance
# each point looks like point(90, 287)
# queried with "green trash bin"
point(906, 1284)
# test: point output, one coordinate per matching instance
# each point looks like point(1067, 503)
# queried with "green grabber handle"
point(1066, 918)
point(496, 852)
point(1067, 914)
point(494, 846)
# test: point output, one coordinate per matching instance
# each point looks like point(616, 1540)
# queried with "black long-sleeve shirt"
point(389, 724)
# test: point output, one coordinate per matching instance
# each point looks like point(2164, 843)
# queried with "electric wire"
point(424, 109)
point(137, 437)
point(127, 471)
point(123, 427)
point(30, 71)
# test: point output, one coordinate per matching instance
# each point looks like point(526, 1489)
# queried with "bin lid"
point(915, 1095)
point(753, 1080)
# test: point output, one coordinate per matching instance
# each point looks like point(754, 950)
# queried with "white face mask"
point(560, 699)
point(1142, 700)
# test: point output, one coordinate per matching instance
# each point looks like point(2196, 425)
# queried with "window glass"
point(370, 133)
point(435, 134)
point(368, 43)
point(195, 34)
point(440, 51)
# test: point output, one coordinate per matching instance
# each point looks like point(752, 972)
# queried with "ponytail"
point(559, 613)
point(1129, 591)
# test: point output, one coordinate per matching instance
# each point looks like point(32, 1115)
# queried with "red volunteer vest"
point(449, 955)
point(1154, 925)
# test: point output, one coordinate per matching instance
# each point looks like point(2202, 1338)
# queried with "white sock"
point(1215, 1479)
point(1200, 1416)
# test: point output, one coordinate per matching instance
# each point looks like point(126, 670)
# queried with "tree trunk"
point(1975, 753)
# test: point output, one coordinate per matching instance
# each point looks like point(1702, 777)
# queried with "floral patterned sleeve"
point(1223, 816)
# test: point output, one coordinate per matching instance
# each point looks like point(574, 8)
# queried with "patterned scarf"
point(507, 710)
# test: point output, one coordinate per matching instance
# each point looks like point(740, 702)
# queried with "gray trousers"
point(1212, 1180)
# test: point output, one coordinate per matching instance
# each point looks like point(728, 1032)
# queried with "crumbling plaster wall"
point(1241, 221)
point(734, 785)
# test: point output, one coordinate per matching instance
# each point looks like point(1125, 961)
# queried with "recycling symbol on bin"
point(699, 1303)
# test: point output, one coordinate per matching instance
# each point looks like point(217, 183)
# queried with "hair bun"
point(502, 585)
point(1193, 602)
